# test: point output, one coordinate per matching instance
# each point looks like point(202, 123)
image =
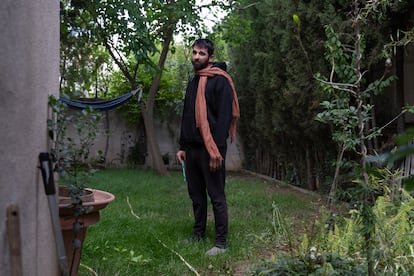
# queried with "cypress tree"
point(274, 58)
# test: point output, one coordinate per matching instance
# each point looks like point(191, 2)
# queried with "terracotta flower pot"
point(100, 199)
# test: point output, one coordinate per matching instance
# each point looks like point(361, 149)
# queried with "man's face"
point(200, 58)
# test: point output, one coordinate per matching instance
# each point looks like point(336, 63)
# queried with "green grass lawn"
point(144, 231)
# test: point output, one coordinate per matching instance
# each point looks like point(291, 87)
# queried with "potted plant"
point(72, 134)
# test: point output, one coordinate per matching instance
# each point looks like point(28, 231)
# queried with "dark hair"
point(205, 43)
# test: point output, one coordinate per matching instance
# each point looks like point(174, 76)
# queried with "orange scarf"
point(201, 109)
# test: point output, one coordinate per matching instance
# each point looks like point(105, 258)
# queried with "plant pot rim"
point(102, 199)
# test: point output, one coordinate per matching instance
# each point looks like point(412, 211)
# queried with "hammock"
point(101, 105)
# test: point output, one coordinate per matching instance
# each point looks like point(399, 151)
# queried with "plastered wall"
point(123, 137)
point(29, 71)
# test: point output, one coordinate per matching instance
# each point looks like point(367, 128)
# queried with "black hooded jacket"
point(219, 98)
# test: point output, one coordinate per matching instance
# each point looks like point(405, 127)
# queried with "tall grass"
point(144, 231)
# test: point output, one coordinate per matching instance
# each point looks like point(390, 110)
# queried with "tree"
point(131, 31)
point(274, 60)
point(350, 108)
point(278, 94)
point(83, 63)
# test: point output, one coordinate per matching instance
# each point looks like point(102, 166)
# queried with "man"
point(209, 116)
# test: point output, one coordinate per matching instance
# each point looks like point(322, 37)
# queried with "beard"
point(198, 65)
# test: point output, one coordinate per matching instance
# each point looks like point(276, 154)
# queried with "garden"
point(275, 229)
point(322, 98)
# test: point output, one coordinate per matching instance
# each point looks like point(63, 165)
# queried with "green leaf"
point(409, 183)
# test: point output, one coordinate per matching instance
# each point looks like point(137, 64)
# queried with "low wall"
point(123, 139)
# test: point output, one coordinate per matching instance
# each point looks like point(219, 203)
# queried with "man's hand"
point(215, 163)
point(180, 156)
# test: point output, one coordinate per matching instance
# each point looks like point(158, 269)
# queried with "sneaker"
point(215, 251)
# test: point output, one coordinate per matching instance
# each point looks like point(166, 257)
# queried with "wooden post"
point(13, 236)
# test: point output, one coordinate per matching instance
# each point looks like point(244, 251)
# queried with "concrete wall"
point(123, 138)
point(168, 137)
point(29, 71)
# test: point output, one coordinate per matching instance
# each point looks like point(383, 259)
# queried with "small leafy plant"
point(71, 148)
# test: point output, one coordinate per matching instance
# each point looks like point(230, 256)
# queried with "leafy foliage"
point(335, 245)
point(72, 136)
point(324, 264)
point(275, 60)
point(278, 95)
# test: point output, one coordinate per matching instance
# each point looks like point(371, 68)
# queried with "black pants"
point(202, 181)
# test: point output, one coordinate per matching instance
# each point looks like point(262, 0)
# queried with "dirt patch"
point(277, 184)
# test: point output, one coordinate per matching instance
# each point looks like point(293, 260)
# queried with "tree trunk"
point(309, 178)
point(154, 149)
point(334, 185)
point(148, 109)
